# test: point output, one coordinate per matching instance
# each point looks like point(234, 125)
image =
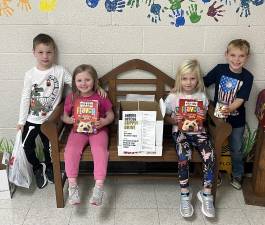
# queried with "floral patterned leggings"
point(184, 145)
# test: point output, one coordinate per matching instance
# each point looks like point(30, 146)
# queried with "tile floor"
point(129, 200)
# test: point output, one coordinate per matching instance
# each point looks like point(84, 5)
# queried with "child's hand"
point(225, 110)
point(202, 114)
point(101, 123)
point(20, 127)
point(101, 92)
point(67, 119)
point(177, 117)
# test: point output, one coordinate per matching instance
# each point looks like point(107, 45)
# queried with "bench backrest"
point(113, 79)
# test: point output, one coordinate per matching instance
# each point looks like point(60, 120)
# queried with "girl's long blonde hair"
point(189, 66)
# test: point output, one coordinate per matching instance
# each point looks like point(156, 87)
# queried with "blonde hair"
point(81, 68)
point(189, 66)
point(241, 44)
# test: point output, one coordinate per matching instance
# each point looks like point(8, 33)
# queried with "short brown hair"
point(239, 43)
point(43, 39)
point(81, 68)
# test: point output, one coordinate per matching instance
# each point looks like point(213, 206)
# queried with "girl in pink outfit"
point(84, 84)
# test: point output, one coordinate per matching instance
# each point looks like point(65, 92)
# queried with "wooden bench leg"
point(217, 162)
point(58, 183)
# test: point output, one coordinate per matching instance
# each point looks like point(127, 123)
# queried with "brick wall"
point(105, 40)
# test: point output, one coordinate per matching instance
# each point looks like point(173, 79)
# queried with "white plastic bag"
point(20, 170)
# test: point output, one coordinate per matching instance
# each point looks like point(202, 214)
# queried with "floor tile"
point(136, 217)
point(255, 216)
point(173, 216)
point(228, 217)
point(135, 196)
point(92, 216)
point(12, 216)
point(47, 216)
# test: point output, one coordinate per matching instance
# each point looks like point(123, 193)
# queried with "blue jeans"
point(236, 150)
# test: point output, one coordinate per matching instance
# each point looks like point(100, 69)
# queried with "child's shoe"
point(40, 176)
point(49, 174)
point(186, 208)
point(74, 197)
point(207, 204)
point(236, 182)
point(97, 196)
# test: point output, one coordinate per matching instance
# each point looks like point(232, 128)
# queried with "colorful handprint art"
point(155, 11)
point(178, 16)
point(24, 4)
point(215, 11)
point(114, 5)
point(5, 9)
point(47, 5)
point(92, 3)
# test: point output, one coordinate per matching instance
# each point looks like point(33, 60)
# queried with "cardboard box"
point(140, 129)
point(4, 185)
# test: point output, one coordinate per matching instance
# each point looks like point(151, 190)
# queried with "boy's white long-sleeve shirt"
point(42, 92)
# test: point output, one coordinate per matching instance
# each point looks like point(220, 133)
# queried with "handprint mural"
point(47, 5)
point(5, 8)
point(177, 12)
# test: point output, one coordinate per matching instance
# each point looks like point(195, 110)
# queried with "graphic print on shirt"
point(44, 96)
point(228, 88)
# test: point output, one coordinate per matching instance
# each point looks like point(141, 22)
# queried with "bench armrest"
point(218, 128)
point(53, 127)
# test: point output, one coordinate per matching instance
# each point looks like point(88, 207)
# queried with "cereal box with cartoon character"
point(85, 115)
point(192, 119)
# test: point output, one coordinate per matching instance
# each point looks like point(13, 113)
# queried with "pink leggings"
point(99, 148)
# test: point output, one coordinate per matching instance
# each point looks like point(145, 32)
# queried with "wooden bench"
point(55, 130)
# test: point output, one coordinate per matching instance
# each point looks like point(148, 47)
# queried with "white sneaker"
point(186, 208)
point(97, 196)
point(74, 197)
point(207, 204)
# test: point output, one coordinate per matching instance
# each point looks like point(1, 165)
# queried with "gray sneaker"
point(97, 196)
point(236, 182)
point(186, 208)
point(74, 195)
point(207, 204)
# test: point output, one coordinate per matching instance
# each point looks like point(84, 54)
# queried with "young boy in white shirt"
point(42, 92)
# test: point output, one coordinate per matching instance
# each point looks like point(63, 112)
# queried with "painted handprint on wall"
point(24, 4)
point(155, 10)
point(132, 2)
point(228, 2)
point(178, 16)
point(148, 2)
point(193, 14)
point(243, 8)
point(114, 5)
point(215, 11)
point(174, 4)
point(92, 3)
point(47, 5)
point(257, 2)
point(5, 8)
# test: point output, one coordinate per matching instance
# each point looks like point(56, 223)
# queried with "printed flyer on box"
point(192, 120)
point(131, 133)
point(85, 116)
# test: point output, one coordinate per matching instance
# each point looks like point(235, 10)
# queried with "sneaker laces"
point(208, 202)
point(74, 192)
point(97, 196)
point(185, 202)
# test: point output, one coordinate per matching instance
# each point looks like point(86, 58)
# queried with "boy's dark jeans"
point(30, 145)
point(236, 151)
